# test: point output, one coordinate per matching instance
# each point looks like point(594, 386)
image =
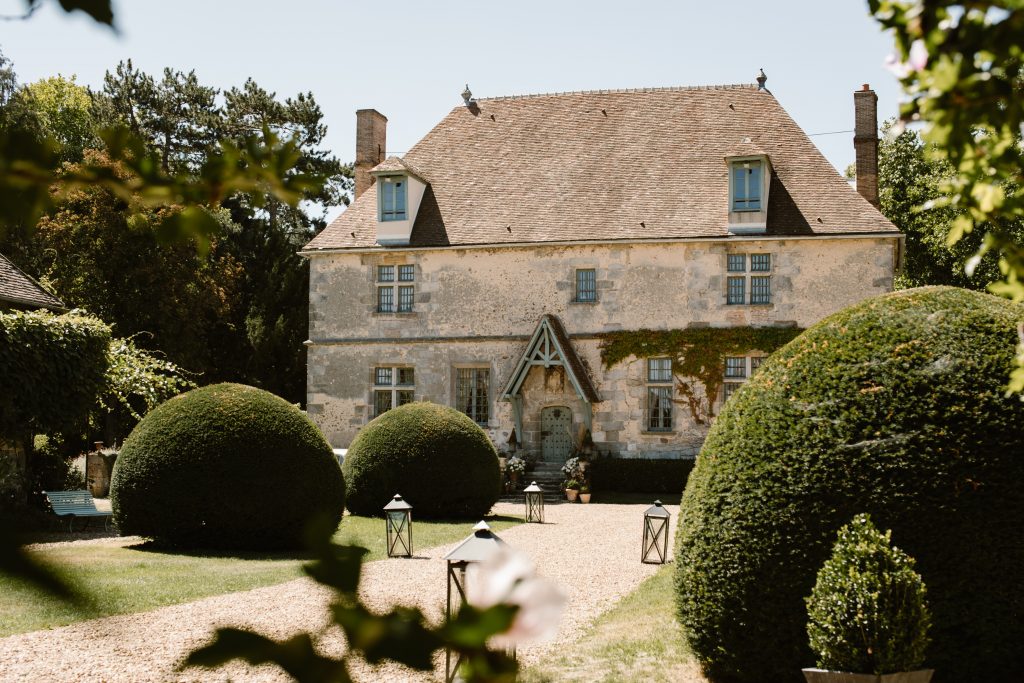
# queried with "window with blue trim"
point(746, 186)
point(586, 285)
point(392, 191)
point(739, 283)
point(392, 298)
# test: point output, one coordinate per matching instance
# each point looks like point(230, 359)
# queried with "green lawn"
point(124, 578)
point(637, 640)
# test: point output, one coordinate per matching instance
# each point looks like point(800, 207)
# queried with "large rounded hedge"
point(226, 466)
point(894, 407)
point(437, 458)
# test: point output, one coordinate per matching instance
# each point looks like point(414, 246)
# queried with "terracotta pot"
point(584, 497)
point(824, 676)
point(571, 494)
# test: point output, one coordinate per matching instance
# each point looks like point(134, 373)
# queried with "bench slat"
point(77, 503)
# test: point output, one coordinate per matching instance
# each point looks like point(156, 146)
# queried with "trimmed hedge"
point(51, 371)
point(436, 457)
point(226, 466)
point(640, 475)
point(895, 407)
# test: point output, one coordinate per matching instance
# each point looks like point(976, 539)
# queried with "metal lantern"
point(477, 547)
point(398, 519)
point(655, 546)
point(534, 503)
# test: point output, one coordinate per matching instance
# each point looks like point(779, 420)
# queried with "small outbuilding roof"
point(21, 291)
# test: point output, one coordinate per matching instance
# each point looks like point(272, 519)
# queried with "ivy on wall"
point(51, 370)
point(697, 353)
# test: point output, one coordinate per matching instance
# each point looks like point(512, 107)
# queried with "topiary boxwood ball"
point(437, 458)
point(226, 466)
point(895, 407)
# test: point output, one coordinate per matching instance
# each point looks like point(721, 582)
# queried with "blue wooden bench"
point(74, 504)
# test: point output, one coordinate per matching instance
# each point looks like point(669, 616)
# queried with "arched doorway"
point(556, 433)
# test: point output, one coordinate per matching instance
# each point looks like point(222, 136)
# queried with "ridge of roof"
point(622, 91)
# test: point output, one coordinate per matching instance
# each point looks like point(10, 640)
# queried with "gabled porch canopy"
point(550, 347)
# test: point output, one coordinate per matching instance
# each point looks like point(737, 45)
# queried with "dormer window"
point(746, 186)
point(750, 178)
point(392, 191)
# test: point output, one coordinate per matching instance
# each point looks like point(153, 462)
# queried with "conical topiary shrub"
point(867, 612)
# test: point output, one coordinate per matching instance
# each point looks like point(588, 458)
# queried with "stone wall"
point(479, 307)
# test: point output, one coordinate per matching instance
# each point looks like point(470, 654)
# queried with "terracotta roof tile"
point(21, 290)
point(612, 165)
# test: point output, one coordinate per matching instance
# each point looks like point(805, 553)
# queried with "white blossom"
point(508, 577)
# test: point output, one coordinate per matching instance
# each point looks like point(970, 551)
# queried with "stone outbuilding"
point(552, 264)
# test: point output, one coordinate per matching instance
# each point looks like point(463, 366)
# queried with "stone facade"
point(478, 307)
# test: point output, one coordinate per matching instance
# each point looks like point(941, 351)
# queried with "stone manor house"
point(485, 268)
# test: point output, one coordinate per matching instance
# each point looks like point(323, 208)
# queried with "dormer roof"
point(397, 165)
point(610, 165)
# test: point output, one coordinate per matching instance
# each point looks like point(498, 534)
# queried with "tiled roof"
point(611, 165)
point(576, 366)
point(19, 289)
point(397, 165)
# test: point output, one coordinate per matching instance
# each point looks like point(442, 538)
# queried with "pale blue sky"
point(410, 60)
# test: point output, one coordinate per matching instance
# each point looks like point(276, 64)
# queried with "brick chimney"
point(865, 142)
point(371, 139)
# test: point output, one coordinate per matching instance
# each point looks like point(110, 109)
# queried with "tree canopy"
point(912, 182)
point(234, 309)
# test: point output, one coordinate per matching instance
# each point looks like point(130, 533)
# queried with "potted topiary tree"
point(867, 612)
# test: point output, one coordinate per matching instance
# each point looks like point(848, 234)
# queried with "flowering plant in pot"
point(572, 469)
point(515, 467)
point(868, 620)
point(572, 489)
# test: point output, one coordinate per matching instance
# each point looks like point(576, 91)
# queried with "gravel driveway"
point(592, 551)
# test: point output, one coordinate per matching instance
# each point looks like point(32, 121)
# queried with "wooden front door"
point(555, 434)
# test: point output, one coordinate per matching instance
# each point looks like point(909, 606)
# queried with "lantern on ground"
point(398, 519)
point(655, 544)
point(477, 547)
point(534, 503)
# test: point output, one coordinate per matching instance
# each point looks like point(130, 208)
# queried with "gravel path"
point(592, 551)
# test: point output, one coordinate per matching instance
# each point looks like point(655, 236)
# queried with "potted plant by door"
point(572, 489)
point(868, 621)
point(584, 492)
point(515, 468)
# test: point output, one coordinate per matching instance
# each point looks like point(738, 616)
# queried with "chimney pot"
point(371, 146)
point(865, 87)
point(865, 142)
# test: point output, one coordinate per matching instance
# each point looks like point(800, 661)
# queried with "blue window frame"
point(737, 263)
point(736, 293)
point(761, 263)
point(392, 193)
point(586, 285)
point(761, 290)
point(406, 296)
point(746, 186)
